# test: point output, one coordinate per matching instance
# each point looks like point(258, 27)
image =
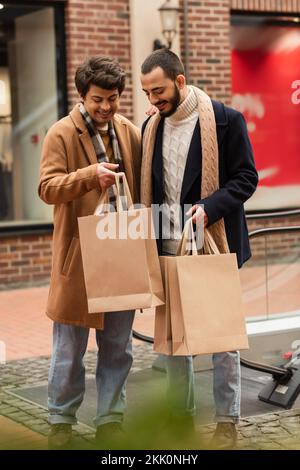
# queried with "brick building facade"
point(93, 26)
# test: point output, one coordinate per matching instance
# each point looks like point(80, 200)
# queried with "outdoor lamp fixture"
point(168, 15)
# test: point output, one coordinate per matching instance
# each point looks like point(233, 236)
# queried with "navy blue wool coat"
point(237, 177)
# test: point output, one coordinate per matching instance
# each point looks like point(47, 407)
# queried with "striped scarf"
point(100, 147)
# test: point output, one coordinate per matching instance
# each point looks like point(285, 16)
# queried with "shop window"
point(32, 98)
point(266, 89)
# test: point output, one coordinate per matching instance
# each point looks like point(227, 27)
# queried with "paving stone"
point(40, 412)
point(33, 421)
point(30, 408)
point(251, 433)
point(269, 424)
point(6, 409)
point(278, 432)
point(288, 441)
point(267, 418)
point(42, 419)
point(272, 446)
point(289, 413)
point(19, 416)
point(262, 443)
point(290, 421)
point(292, 418)
point(41, 428)
point(245, 424)
point(292, 429)
point(295, 446)
point(270, 431)
point(249, 445)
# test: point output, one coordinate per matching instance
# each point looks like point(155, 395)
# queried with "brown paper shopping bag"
point(163, 331)
point(119, 255)
point(203, 301)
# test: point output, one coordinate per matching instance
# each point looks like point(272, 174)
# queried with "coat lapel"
point(84, 135)
point(157, 164)
point(193, 163)
point(123, 137)
point(221, 121)
point(87, 144)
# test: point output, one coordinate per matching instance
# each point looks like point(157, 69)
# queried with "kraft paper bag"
point(163, 331)
point(119, 255)
point(203, 302)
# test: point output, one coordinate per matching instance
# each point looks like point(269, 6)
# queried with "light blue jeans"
point(66, 384)
point(226, 384)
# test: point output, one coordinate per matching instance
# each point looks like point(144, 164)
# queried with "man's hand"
point(106, 174)
point(198, 215)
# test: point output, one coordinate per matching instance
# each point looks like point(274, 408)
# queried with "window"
point(266, 89)
point(32, 98)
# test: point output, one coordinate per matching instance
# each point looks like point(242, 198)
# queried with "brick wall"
point(208, 46)
point(209, 42)
point(25, 260)
point(281, 6)
point(277, 247)
point(96, 27)
point(103, 27)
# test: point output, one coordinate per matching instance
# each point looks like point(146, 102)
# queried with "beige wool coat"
point(68, 180)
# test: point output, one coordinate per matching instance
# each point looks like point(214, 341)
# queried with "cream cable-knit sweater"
point(177, 136)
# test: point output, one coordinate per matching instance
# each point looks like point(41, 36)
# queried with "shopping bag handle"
point(186, 239)
point(124, 199)
point(209, 245)
point(123, 196)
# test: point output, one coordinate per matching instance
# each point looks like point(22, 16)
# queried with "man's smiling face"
point(161, 91)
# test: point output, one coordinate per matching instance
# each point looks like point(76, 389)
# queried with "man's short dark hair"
point(104, 72)
point(167, 60)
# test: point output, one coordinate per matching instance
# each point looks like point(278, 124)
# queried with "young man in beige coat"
point(81, 154)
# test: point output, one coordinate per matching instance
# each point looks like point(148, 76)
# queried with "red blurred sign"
point(266, 89)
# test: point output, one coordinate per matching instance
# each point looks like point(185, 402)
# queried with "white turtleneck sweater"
point(177, 136)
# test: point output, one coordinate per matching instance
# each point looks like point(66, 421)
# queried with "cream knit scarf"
point(210, 161)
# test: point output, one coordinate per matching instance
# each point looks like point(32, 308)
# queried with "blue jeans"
point(66, 384)
point(226, 384)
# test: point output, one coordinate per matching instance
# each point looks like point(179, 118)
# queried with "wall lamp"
point(168, 15)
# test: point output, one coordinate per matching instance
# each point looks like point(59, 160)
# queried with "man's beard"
point(174, 102)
